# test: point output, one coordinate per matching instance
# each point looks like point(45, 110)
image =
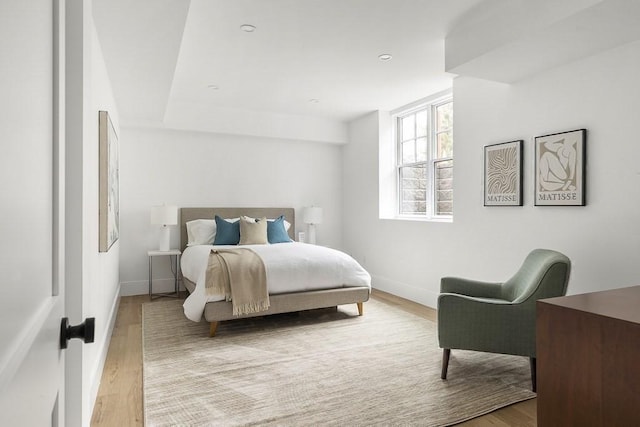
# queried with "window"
point(424, 144)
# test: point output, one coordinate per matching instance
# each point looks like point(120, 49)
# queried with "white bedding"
point(290, 267)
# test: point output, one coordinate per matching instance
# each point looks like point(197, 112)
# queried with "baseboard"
point(404, 290)
point(104, 350)
point(141, 287)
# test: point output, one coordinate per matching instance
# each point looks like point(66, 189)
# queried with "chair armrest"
point(485, 324)
point(474, 288)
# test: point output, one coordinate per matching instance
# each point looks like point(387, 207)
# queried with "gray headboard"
point(189, 214)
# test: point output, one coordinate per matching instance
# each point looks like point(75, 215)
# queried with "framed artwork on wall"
point(560, 169)
point(503, 174)
point(109, 193)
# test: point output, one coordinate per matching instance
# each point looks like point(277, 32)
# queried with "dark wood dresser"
point(588, 359)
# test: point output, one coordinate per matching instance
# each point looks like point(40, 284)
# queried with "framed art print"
point(560, 169)
point(503, 174)
point(109, 194)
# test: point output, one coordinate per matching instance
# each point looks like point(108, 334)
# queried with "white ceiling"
point(162, 55)
point(511, 40)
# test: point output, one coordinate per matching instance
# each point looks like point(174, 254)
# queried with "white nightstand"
point(170, 253)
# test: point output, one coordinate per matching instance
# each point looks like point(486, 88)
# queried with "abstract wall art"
point(109, 193)
point(560, 169)
point(503, 174)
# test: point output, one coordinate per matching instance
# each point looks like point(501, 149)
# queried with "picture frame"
point(560, 169)
point(503, 174)
point(109, 183)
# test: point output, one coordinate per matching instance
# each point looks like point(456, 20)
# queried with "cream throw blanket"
point(239, 275)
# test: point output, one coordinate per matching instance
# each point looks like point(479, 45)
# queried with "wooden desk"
point(588, 359)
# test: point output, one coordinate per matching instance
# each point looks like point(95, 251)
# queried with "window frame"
point(430, 106)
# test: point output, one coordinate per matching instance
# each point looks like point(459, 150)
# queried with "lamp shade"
point(312, 215)
point(164, 215)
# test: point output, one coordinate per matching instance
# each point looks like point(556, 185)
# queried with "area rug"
point(317, 368)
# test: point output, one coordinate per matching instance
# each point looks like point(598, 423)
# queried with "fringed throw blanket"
point(239, 275)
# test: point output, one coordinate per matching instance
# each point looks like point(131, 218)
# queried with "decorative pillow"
point(287, 224)
point(227, 233)
point(201, 232)
point(277, 230)
point(253, 231)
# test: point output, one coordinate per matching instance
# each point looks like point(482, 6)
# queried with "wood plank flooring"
point(119, 401)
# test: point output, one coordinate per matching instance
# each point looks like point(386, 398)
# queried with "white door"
point(32, 201)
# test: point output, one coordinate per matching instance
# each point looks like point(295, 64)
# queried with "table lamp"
point(312, 215)
point(165, 216)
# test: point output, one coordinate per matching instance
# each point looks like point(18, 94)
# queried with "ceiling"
point(511, 40)
point(309, 64)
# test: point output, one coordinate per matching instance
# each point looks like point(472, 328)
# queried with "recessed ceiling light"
point(314, 100)
point(213, 87)
point(385, 57)
point(247, 28)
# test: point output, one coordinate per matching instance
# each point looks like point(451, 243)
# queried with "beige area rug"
point(317, 368)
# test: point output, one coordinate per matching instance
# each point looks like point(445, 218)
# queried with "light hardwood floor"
point(119, 401)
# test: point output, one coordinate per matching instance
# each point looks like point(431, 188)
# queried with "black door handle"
point(85, 331)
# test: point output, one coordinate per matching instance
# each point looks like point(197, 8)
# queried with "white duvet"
point(290, 267)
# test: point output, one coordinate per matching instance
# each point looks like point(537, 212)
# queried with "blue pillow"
point(276, 233)
point(227, 233)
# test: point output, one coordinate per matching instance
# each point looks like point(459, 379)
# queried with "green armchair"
point(500, 317)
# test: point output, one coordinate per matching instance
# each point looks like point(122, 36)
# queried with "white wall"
point(601, 94)
point(101, 270)
point(92, 283)
point(192, 169)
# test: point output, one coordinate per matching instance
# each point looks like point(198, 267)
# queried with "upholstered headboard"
point(189, 214)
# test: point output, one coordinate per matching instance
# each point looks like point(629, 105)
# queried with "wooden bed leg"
point(360, 308)
point(212, 329)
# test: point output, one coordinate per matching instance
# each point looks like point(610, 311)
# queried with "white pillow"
point(201, 232)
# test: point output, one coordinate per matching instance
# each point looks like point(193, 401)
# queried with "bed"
point(306, 296)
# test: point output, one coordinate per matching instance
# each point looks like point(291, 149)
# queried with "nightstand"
point(175, 253)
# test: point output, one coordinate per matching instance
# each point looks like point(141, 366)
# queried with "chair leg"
point(532, 363)
point(446, 352)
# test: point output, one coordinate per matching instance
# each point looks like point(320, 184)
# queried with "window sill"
point(420, 219)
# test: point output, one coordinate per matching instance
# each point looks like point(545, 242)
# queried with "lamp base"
point(311, 234)
point(165, 239)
